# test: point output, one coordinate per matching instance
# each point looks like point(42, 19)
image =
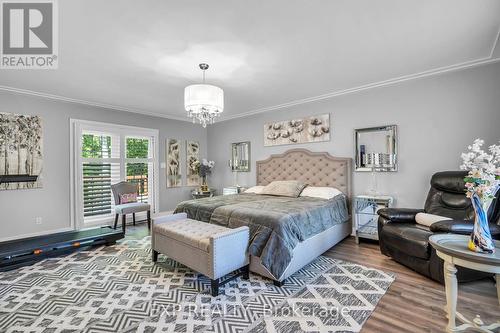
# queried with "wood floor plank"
point(415, 303)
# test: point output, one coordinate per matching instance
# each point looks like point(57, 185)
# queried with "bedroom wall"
point(437, 118)
point(19, 208)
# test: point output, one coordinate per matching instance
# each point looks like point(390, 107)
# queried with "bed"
point(286, 233)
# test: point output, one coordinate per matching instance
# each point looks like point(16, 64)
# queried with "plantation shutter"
point(106, 154)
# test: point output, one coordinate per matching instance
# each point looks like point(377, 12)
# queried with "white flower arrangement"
point(483, 179)
point(204, 167)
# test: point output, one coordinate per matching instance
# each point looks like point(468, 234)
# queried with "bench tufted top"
point(315, 169)
point(190, 232)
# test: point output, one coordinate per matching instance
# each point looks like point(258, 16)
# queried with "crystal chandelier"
point(203, 102)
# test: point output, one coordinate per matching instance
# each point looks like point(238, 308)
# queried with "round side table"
point(453, 250)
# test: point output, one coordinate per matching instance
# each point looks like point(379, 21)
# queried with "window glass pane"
point(96, 189)
point(137, 148)
point(96, 146)
point(139, 173)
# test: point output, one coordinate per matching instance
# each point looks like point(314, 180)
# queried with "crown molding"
point(389, 82)
point(432, 72)
point(89, 103)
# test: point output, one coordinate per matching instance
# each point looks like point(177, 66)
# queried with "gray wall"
point(18, 208)
point(437, 118)
point(434, 116)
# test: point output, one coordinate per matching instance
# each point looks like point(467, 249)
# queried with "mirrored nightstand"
point(197, 194)
point(365, 208)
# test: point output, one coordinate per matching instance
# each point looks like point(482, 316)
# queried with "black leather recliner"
point(408, 242)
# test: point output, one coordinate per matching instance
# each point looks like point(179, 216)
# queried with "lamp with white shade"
point(203, 102)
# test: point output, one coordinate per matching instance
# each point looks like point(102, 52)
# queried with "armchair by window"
point(408, 242)
point(125, 203)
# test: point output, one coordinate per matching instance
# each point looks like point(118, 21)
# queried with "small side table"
point(453, 250)
point(365, 209)
point(196, 194)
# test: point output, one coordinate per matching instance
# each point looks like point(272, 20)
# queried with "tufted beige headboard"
point(315, 169)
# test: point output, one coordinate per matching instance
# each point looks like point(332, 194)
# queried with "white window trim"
point(76, 127)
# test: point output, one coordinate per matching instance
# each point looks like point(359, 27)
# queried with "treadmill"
point(22, 252)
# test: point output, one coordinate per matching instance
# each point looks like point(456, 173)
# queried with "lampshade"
point(203, 97)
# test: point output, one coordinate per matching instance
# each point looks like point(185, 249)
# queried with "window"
point(105, 154)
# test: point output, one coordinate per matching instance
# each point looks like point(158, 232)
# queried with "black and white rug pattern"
point(119, 289)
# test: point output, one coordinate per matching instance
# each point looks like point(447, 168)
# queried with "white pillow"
point(428, 219)
point(255, 189)
point(320, 192)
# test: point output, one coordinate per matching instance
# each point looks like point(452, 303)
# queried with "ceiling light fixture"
point(203, 102)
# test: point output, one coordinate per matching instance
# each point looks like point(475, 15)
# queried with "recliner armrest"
point(405, 215)
point(462, 227)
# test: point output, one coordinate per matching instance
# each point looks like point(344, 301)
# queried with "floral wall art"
point(192, 158)
point(304, 130)
point(21, 150)
point(174, 175)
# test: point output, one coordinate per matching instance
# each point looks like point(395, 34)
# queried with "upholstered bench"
point(210, 249)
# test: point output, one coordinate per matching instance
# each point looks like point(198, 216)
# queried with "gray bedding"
point(277, 224)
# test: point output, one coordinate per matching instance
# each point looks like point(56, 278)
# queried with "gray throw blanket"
point(277, 224)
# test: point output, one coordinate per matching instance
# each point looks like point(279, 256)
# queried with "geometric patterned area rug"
point(118, 289)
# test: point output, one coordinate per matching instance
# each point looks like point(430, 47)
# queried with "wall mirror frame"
point(240, 156)
point(376, 148)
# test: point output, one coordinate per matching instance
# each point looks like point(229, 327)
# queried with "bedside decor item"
point(482, 183)
point(204, 168)
point(21, 151)
point(365, 208)
point(192, 157)
point(174, 175)
point(203, 102)
point(307, 129)
point(376, 148)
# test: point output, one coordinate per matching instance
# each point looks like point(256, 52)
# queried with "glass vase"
point(204, 184)
point(480, 239)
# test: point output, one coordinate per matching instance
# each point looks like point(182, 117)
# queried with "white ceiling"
point(139, 55)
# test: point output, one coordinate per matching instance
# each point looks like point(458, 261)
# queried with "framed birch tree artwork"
point(174, 175)
point(21, 151)
point(192, 162)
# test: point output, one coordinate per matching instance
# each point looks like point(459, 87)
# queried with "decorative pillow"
point(255, 189)
point(285, 188)
point(128, 198)
point(320, 192)
point(429, 219)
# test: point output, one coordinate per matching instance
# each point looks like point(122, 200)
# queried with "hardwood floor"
point(413, 303)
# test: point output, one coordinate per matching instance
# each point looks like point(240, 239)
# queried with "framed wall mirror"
point(376, 148)
point(240, 156)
